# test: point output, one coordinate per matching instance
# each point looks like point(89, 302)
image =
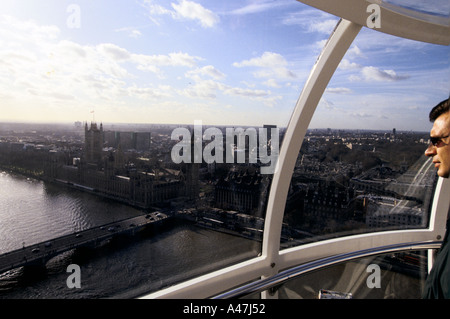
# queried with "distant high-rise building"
point(140, 141)
point(192, 173)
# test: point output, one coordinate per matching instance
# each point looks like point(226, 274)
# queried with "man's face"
point(441, 151)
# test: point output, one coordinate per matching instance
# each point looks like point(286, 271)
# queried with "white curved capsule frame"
point(395, 20)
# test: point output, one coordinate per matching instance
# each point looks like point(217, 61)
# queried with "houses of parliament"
point(108, 172)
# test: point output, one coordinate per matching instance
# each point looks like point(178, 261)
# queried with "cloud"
point(149, 92)
point(51, 94)
point(355, 51)
point(194, 11)
point(312, 21)
point(135, 33)
point(270, 65)
point(152, 63)
point(268, 59)
point(259, 6)
point(62, 71)
point(113, 51)
point(325, 26)
point(184, 9)
point(46, 70)
point(203, 89)
point(27, 31)
point(246, 92)
point(208, 70)
point(156, 9)
point(326, 103)
point(210, 89)
point(72, 49)
point(132, 32)
point(347, 65)
point(340, 90)
point(272, 83)
point(361, 115)
point(371, 73)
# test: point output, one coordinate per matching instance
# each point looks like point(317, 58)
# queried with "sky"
point(234, 62)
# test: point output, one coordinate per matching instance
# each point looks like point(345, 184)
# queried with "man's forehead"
point(441, 126)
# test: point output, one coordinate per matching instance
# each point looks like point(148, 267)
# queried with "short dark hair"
point(438, 110)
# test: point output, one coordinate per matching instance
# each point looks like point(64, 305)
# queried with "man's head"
point(439, 148)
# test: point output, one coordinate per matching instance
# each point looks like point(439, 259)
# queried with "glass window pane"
point(362, 166)
point(106, 95)
point(436, 7)
point(391, 276)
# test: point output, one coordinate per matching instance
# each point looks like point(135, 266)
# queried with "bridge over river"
point(40, 253)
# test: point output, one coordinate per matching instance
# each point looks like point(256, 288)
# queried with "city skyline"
point(234, 63)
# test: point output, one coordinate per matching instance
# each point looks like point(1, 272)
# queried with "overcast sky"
point(228, 62)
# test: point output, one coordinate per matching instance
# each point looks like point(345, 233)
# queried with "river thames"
point(32, 211)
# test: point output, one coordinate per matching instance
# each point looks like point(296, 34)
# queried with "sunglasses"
point(437, 141)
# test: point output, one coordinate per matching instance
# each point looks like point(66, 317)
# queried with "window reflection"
point(390, 276)
point(202, 216)
point(348, 182)
point(437, 7)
